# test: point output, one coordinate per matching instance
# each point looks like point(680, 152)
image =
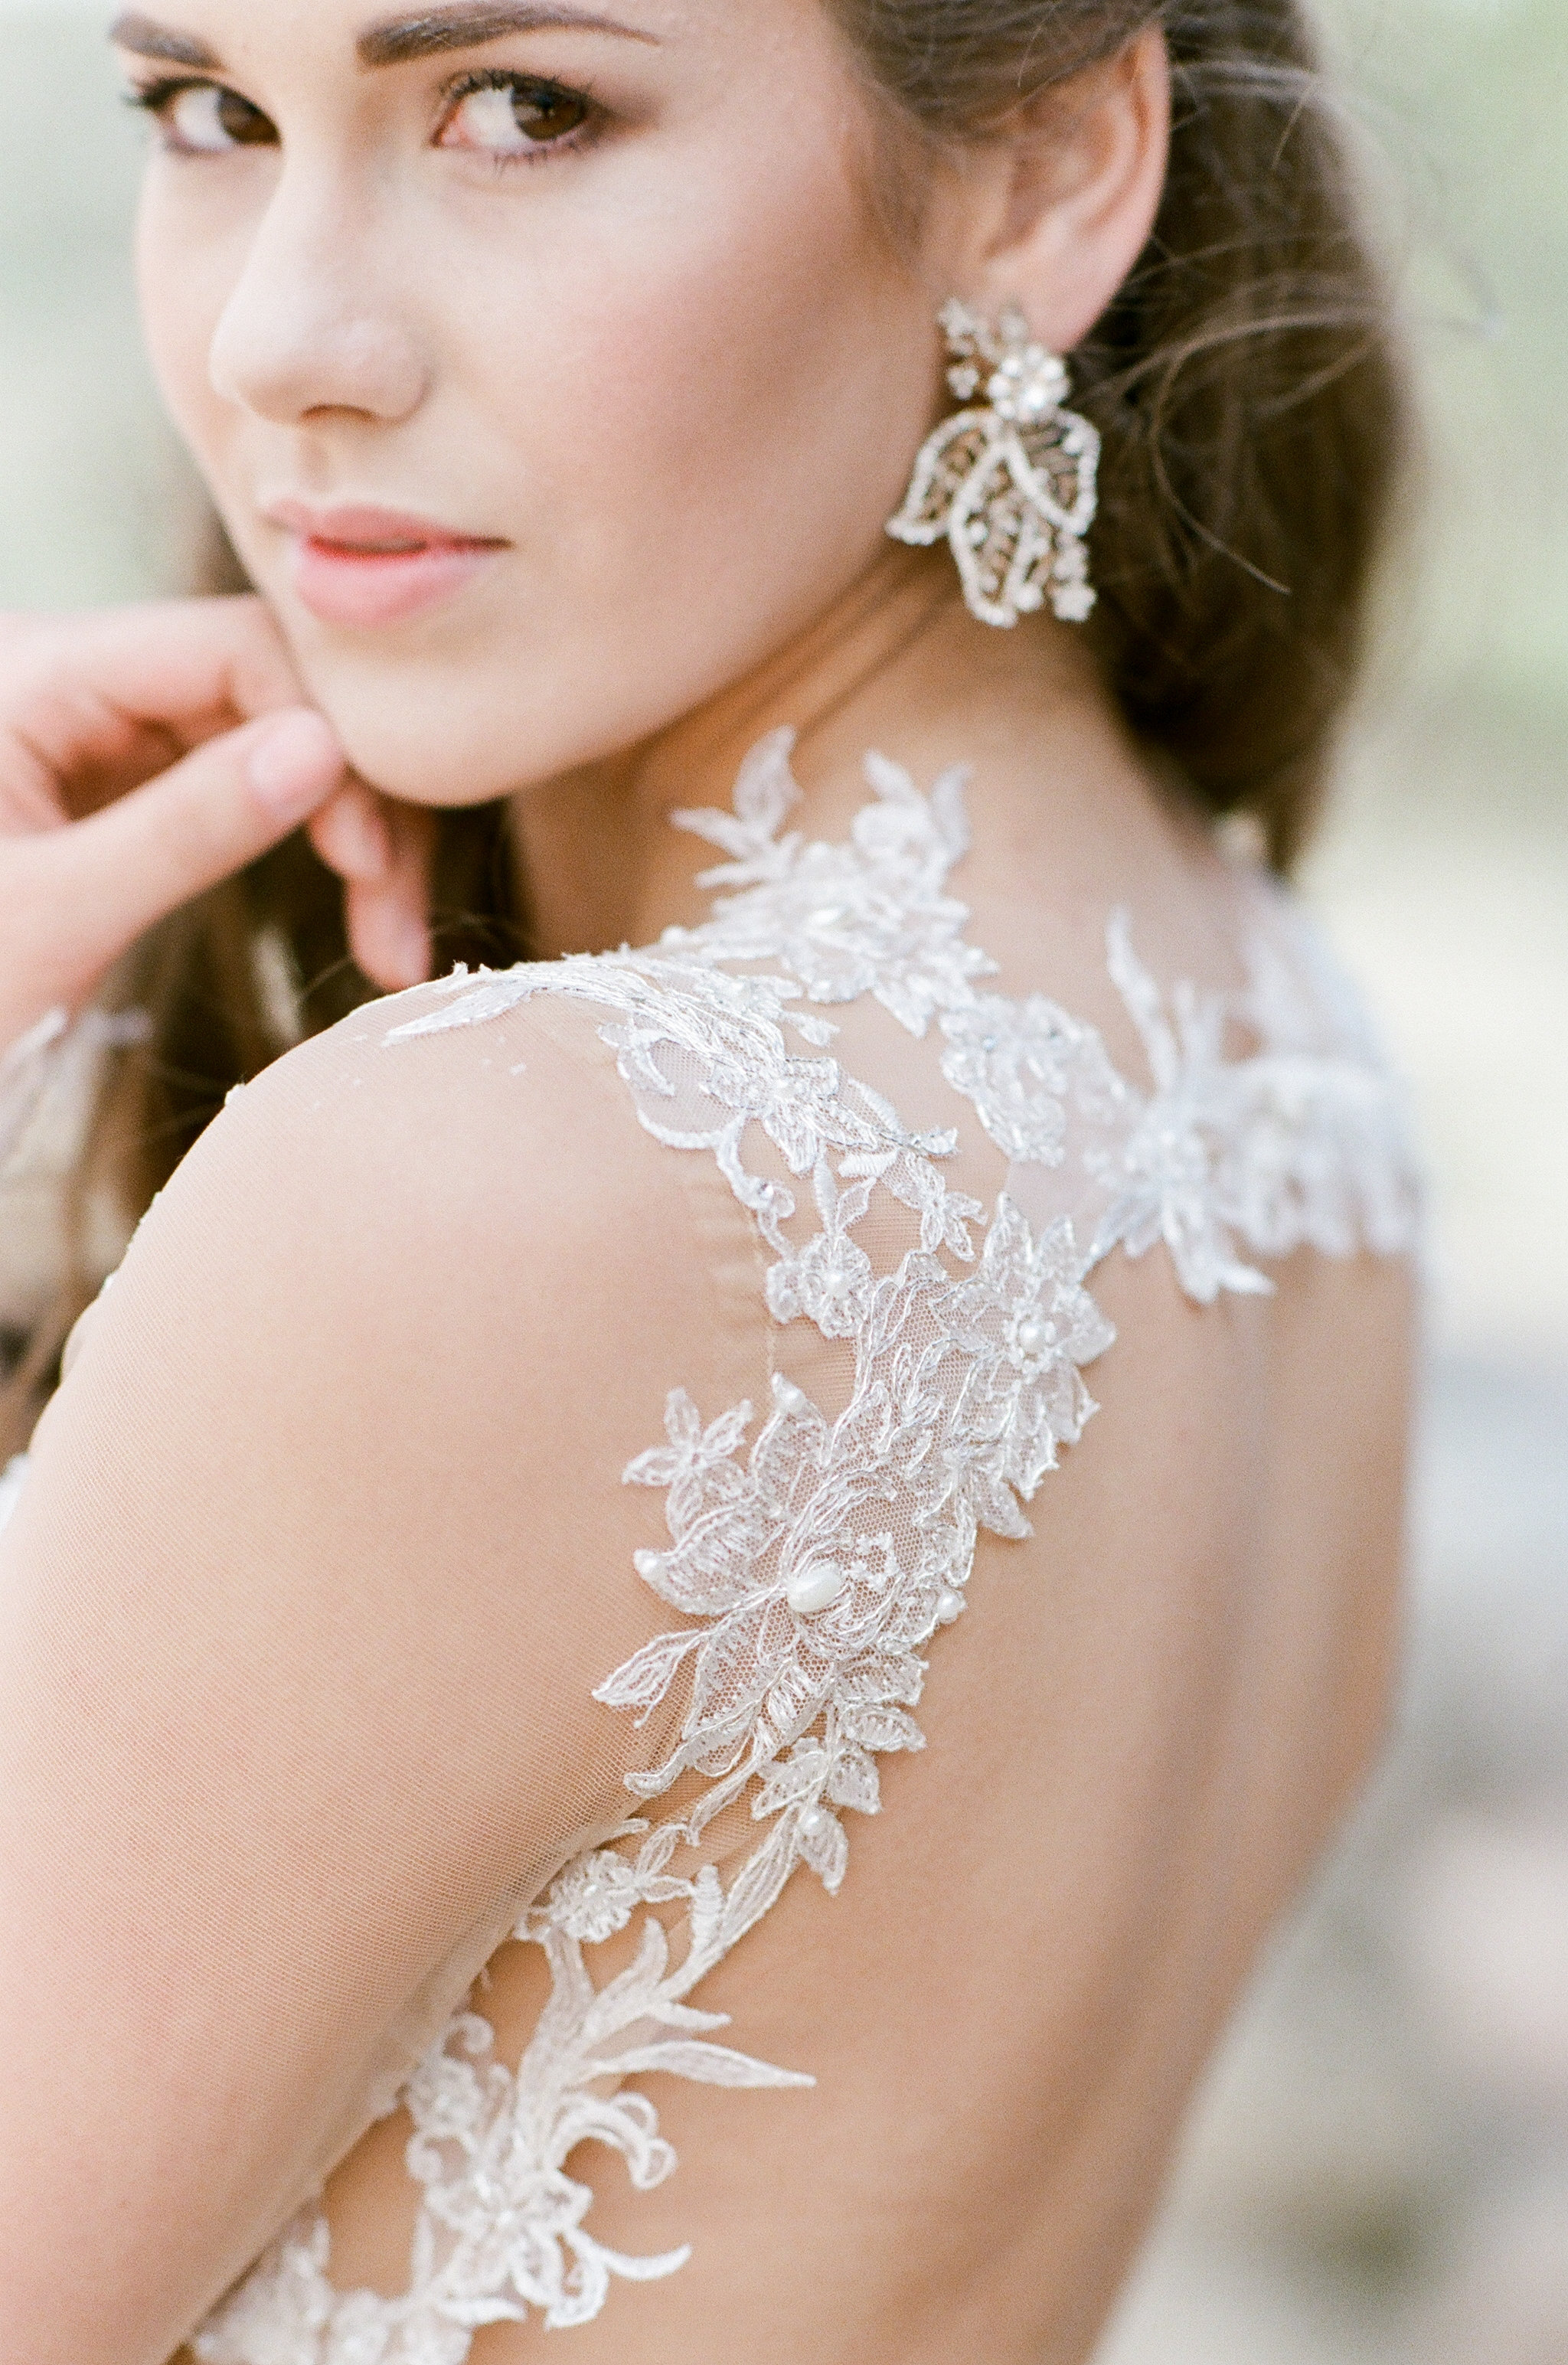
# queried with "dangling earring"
point(1011, 485)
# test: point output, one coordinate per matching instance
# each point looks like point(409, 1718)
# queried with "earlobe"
point(1087, 173)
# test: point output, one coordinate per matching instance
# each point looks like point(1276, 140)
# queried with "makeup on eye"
point(202, 118)
point(507, 115)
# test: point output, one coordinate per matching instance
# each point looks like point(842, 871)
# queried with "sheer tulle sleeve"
point(320, 1558)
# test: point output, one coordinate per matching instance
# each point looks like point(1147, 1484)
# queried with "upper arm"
point(320, 1558)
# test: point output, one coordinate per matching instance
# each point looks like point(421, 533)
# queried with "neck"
point(896, 663)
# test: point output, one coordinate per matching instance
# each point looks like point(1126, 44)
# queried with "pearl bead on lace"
point(815, 1587)
point(494, 2139)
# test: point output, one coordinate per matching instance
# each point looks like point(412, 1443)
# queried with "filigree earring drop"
point(1012, 483)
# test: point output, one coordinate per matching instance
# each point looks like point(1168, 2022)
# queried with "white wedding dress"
point(933, 1173)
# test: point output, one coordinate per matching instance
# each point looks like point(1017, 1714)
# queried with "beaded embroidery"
point(814, 1559)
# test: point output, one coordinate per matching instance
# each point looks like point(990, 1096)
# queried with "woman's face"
point(548, 362)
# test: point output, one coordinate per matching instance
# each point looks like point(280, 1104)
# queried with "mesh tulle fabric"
point(875, 1194)
point(816, 1552)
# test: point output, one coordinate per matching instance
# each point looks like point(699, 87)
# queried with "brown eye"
point(245, 125)
point(204, 119)
point(514, 116)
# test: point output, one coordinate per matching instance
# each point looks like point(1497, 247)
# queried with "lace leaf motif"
point(818, 1558)
point(828, 1562)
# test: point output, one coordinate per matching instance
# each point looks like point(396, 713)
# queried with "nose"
point(308, 329)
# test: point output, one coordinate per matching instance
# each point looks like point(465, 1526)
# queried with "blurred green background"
point(1378, 2168)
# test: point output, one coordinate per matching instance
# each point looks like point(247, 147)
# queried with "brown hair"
point(1249, 392)
point(1245, 379)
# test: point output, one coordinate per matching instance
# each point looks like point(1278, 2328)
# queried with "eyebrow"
point(143, 38)
point(471, 22)
point(400, 41)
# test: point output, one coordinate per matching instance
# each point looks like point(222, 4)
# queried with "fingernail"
point(293, 765)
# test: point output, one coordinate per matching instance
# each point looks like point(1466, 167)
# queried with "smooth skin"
point(670, 362)
point(350, 308)
point(669, 365)
point(101, 834)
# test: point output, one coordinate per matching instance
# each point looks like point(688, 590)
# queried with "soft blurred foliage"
point(1378, 2168)
point(1447, 867)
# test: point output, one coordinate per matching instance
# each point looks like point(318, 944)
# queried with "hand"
point(146, 754)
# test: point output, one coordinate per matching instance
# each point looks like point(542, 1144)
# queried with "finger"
point(130, 865)
point(352, 834)
point(388, 922)
point(92, 705)
point(165, 659)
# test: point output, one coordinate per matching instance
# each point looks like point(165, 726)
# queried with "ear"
point(1055, 216)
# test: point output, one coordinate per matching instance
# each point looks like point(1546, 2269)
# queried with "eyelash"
point(156, 98)
point(508, 78)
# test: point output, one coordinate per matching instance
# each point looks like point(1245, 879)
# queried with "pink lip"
point(361, 566)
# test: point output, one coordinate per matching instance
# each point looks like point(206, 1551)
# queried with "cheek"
point(708, 395)
point(684, 383)
point(183, 281)
point(736, 381)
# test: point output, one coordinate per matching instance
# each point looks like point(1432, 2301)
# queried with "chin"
point(421, 732)
point(449, 713)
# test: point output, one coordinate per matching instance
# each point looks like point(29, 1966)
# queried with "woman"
point(407, 1825)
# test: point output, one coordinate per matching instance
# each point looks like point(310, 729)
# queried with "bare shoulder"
point(325, 1545)
point(476, 1200)
point(410, 1302)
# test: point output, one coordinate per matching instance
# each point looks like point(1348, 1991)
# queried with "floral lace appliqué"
point(814, 1560)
